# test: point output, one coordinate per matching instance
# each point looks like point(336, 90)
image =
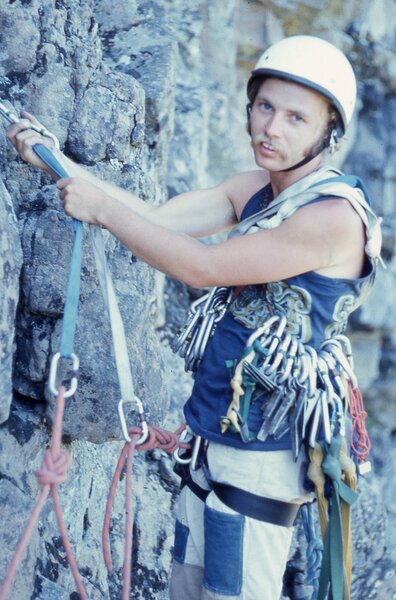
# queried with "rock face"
point(150, 94)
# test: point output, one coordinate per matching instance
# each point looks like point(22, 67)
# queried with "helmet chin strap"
point(330, 140)
point(315, 151)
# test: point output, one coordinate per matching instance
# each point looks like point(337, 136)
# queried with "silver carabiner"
point(290, 357)
point(326, 402)
point(193, 459)
point(334, 348)
point(334, 372)
point(345, 341)
point(183, 438)
point(312, 366)
point(340, 414)
point(277, 335)
point(281, 352)
point(53, 371)
point(142, 421)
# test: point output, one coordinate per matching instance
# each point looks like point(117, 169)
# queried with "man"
point(301, 99)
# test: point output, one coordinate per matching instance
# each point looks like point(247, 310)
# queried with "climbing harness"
point(63, 384)
point(310, 394)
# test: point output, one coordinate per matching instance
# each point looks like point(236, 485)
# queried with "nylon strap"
point(332, 573)
point(256, 507)
point(106, 284)
point(324, 182)
point(73, 286)
point(117, 326)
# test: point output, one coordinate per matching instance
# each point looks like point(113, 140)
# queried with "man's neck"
point(282, 180)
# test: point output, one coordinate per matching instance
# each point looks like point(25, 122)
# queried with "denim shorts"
point(220, 554)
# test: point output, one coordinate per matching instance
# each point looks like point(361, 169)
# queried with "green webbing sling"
point(332, 571)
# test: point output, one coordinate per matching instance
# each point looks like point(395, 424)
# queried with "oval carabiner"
point(142, 420)
point(53, 370)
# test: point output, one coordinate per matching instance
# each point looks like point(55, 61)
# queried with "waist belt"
point(256, 507)
point(245, 503)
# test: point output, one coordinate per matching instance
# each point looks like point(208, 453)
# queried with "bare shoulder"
point(336, 215)
point(335, 229)
point(240, 188)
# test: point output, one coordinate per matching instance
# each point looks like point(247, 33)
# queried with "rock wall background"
point(150, 94)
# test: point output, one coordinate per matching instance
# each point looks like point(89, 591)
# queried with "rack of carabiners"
point(304, 391)
point(308, 393)
point(203, 316)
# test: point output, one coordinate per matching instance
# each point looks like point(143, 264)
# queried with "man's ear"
point(248, 111)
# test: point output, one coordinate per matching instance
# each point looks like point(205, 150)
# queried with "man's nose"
point(272, 126)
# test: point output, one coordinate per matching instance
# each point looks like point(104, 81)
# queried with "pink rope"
point(53, 471)
point(359, 438)
point(157, 438)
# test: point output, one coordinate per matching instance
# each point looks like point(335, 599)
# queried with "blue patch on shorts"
point(223, 552)
point(181, 537)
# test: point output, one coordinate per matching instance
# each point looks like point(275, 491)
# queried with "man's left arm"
point(325, 236)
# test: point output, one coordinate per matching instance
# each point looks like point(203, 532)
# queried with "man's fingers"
point(15, 128)
point(25, 140)
point(31, 118)
point(27, 116)
point(62, 183)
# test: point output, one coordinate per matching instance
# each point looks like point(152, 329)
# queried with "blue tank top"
point(316, 307)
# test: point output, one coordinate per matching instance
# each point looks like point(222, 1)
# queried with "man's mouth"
point(267, 146)
point(264, 143)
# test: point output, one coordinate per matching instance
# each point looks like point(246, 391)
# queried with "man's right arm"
point(196, 213)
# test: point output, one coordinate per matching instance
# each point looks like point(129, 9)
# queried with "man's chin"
point(272, 165)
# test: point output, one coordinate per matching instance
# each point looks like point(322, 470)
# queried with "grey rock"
point(10, 265)
point(144, 93)
point(108, 116)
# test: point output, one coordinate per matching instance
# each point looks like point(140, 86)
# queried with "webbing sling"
point(325, 182)
point(73, 286)
point(332, 572)
point(109, 296)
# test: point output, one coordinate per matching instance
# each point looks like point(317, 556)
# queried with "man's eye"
point(265, 105)
point(297, 118)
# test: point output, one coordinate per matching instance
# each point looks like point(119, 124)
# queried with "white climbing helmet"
point(315, 63)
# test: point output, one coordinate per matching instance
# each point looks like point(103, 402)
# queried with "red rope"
point(360, 441)
point(53, 471)
point(157, 438)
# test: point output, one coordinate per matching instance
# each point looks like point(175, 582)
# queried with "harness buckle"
point(142, 421)
point(53, 372)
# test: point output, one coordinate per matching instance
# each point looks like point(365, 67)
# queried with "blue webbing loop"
point(48, 157)
point(314, 548)
point(73, 286)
